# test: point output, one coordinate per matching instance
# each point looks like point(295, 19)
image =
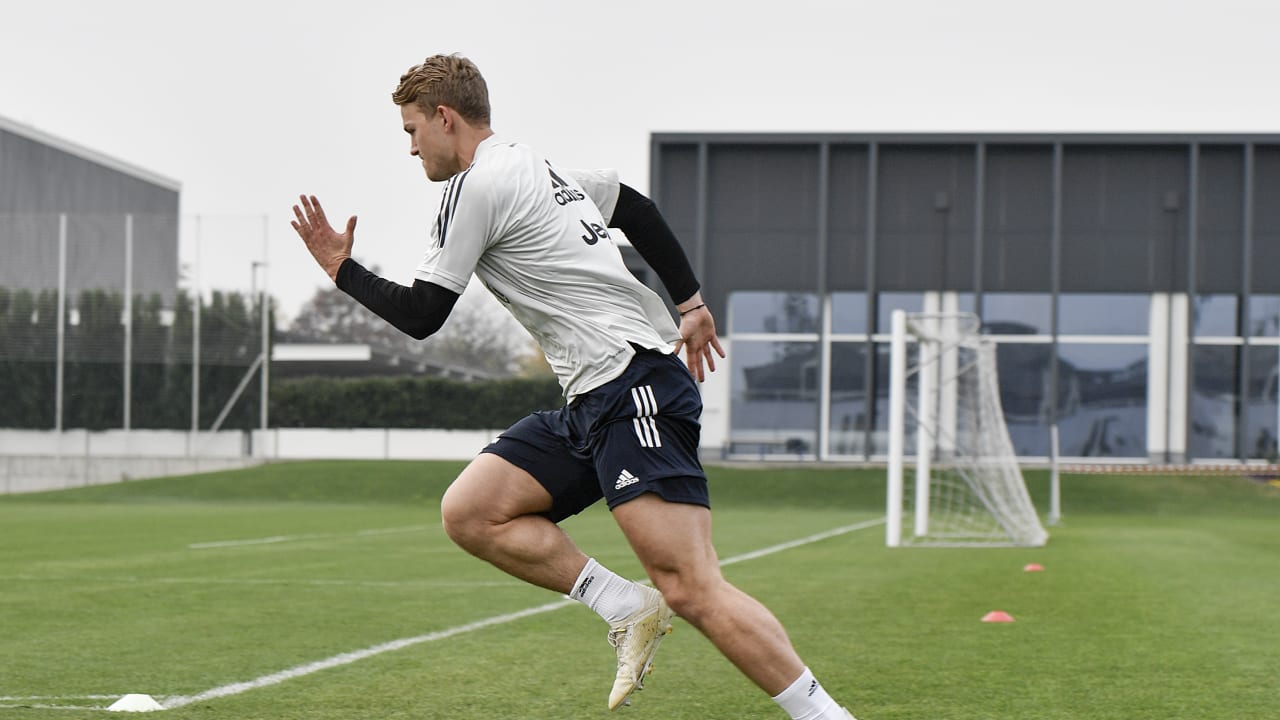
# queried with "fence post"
point(61, 323)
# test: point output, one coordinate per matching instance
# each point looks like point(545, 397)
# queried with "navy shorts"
point(635, 434)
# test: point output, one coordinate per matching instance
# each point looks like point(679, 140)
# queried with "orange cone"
point(1033, 567)
point(997, 616)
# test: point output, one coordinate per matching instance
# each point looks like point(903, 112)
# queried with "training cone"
point(997, 616)
point(1033, 567)
point(135, 702)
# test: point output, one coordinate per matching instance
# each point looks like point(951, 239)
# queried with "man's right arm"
point(418, 311)
point(637, 217)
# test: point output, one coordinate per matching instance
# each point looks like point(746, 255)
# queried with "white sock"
point(611, 596)
point(805, 699)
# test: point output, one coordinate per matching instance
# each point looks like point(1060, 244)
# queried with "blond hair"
point(450, 80)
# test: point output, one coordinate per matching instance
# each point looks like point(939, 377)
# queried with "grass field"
point(281, 592)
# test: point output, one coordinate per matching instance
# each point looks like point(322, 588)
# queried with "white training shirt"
point(536, 236)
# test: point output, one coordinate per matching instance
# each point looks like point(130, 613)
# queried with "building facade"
point(1129, 281)
point(65, 206)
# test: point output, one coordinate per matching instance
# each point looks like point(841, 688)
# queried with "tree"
point(479, 333)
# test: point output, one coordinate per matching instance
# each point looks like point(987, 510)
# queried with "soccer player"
point(538, 237)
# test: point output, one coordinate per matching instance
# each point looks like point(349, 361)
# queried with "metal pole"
point(1246, 307)
point(264, 304)
point(195, 334)
point(1055, 483)
point(127, 320)
point(1055, 281)
point(869, 410)
point(824, 305)
point(61, 325)
point(1193, 250)
point(979, 227)
point(1242, 437)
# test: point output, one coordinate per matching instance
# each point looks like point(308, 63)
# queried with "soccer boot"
point(636, 639)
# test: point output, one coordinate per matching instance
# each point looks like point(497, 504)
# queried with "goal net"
point(944, 410)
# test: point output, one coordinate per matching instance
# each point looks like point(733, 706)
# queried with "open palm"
point(328, 246)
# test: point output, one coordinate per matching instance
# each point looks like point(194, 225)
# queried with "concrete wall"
point(32, 461)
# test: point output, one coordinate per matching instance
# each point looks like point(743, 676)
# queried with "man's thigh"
point(669, 538)
point(538, 448)
point(492, 489)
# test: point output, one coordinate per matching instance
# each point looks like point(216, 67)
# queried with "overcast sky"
point(248, 104)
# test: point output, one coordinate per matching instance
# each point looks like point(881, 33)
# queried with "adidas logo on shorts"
point(625, 478)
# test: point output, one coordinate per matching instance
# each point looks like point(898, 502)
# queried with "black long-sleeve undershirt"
point(637, 217)
point(421, 309)
point(418, 310)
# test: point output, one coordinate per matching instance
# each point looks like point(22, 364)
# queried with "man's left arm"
point(417, 311)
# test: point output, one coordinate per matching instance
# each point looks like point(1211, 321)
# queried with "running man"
point(538, 237)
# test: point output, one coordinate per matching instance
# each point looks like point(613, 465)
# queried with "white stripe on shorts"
point(646, 407)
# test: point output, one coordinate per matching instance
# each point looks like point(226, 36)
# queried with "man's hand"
point(327, 246)
point(698, 337)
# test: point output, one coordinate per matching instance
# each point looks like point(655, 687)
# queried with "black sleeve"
point(638, 217)
point(417, 311)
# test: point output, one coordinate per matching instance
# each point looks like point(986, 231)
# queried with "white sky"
point(248, 104)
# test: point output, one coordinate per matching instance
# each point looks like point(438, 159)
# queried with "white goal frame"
point(968, 489)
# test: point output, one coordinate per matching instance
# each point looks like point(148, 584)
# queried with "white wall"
point(369, 444)
point(34, 460)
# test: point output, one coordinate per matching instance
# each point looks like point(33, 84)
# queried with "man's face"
point(430, 142)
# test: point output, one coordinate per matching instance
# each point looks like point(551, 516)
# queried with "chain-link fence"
point(133, 321)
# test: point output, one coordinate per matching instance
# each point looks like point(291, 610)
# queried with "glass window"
point(773, 312)
point(1214, 315)
point(1102, 400)
point(1215, 388)
point(890, 301)
point(879, 414)
point(849, 411)
point(774, 398)
point(1103, 314)
point(1024, 375)
point(848, 313)
point(1264, 374)
point(1017, 313)
point(1214, 402)
point(1264, 315)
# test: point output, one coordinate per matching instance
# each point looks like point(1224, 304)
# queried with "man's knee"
point(459, 517)
point(690, 593)
point(489, 493)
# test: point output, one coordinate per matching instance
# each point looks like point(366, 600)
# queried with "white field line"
point(357, 655)
point(313, 536)
point(23, 698)
point(39, 702)
point(41, 706)
point(348, 657)
point(131, 580)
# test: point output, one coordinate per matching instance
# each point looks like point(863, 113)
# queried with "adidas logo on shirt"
point(625, 478)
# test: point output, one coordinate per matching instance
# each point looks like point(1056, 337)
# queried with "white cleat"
point(636, 639)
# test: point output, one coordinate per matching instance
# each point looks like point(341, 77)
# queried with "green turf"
point(1160, 599)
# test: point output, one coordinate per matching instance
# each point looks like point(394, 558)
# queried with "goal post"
point(945, 414)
